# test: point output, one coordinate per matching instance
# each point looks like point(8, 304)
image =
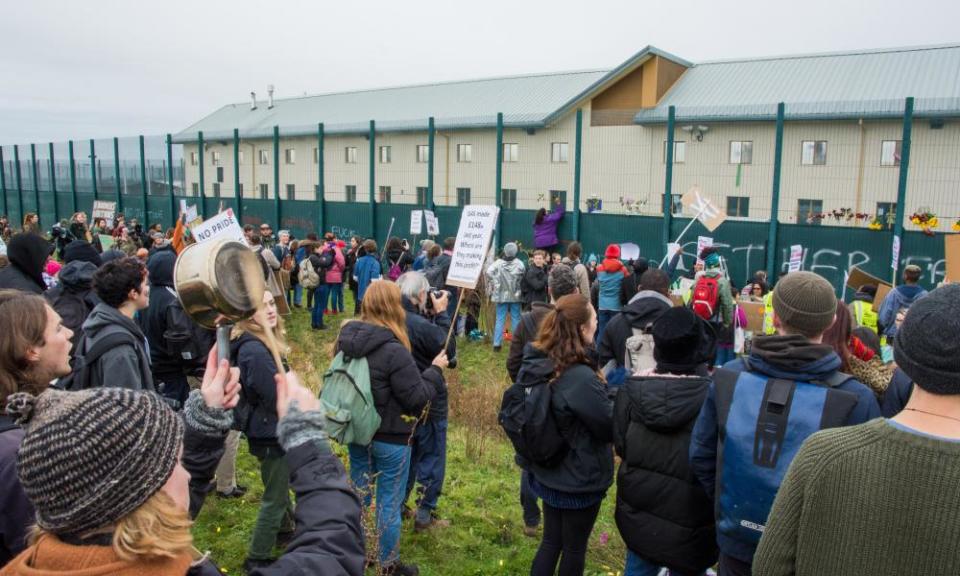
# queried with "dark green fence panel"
point(346, 219)
point(47, 216)
point(64, 202)
point(212, 205)
point(927, 253)
point(449, 220)
point(158, 210)
point(85, 199)
point(299, 217)
point(133, 208)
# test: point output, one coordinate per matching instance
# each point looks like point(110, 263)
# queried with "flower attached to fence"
point(926, 220)
point(875, 224)
point(594, 204)
point(956, 225)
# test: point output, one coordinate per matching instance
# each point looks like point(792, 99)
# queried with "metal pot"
point(219, 282)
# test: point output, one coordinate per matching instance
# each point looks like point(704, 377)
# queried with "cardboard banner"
point(106, 242)
point(629, 251)
point(433, 225)
point(473, 240)
point(857, 278)
point(796, 258)
point(703, 209)
point(104, 209)
point(416, 222)
point(754, 312)
point(951, 252)
point(223, 225)
point(192, 216)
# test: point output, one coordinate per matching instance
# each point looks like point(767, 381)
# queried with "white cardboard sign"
point(703, 242)
point(416, 221)
point(895, 257)
point(796, 258)
point(223, 225)
point(473, 240)
point(104, 209)
point(433, 225)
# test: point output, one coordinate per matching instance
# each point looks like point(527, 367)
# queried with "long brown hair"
point(24, 320)
point(560, 337)
point(381, 306)
point(838, 335)
point(259, 332)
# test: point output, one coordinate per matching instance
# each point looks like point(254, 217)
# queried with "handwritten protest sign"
point(703, 242)
point(796, 258)
point(895, 254)
point(416, 221)
point(951, 251)
point(191, 215)
point(703, 208)
point(433, 225)
point(104, 209)
point(473, 239)
point(629, 251)
point(223, 225)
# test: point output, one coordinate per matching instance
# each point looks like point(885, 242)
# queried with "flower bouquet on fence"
point(875, 224)
point(926, 220)
point(956, 225)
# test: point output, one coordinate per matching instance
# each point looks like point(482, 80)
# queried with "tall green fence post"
point(668, 180)
point(902, 185)
point(498, 191)
point(73, 179)
point(276, 176)
point(19, 179)
point(431, 136)
point(173, 197)
point(321, 190)
point(237, 192)
point(200, 202)
point(774, 228)
point(116, 174)
point(372, 136)
point(53, 185)
point(36, 180)
point(3, 184)
point(576, 175)
point(93, 170)
point(143, 185)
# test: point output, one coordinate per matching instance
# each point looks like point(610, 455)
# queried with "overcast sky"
point(97, 68)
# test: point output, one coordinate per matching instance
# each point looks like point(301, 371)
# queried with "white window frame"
point(290, 156)
point(195, 189)
point(559, 152)
point(240, 156)
point(263, 157)
point(291, 191)
point(808, 152)
point(264, 191)
point(385, 195)
point(193, 159)
point(679, 152)
point(464, 153)
point(740, 152)
point(350, 190)
point(386, 154)
point(350, 155)
point(215, 158)
point(890, 151)
point(423, 153)
point(511, 152)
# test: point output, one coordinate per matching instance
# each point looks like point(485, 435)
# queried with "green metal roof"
point(862, 84)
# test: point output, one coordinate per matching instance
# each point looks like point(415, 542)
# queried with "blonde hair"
point(381, 306)
point(250, 326)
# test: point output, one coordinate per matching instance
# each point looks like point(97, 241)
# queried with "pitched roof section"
point(863, 84)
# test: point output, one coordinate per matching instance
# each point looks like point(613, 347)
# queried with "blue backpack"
point(762, 424)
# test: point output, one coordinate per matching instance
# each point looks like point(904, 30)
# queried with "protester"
point(533, 285)
point(727, 335)
point(631, 283)
point(258, 422)
point(899, 472)
point(757, 287)
point(31, 224)
point(78, 227)
point(365, 271)
point(269, 263)
point(545, 227)
point(794, 363)
point(119, 504)
point(400, 393)
point(573, 259)
point(592, 268)
point(440, 265)
point(350, 258)
point(861, 308)
point(503, 284)
point(74, 298)
point(857, 358)
point(711, 297)
point(420, 262)
point(397, 259)
point(664, 515)
point(899, 300)
point(623, 336)
point(331, 290)
point(34, 349)
point(573, 490)
point(897, 394)
point(428, 324)
point(125, 243)
point(28, 256)
point(123, 290)
point(303, 253)
point(266, 236)
point(610, 275)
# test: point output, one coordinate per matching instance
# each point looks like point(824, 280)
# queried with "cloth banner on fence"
point(473, 240)
point(104, 209)
point(416, 222)
point(796, 258)
point(223, 225)
point(433, 224)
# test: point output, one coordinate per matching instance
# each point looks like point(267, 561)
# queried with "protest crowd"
point(768, 429)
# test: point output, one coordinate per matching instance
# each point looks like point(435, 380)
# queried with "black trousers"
point(565, 537)
point(730, 566)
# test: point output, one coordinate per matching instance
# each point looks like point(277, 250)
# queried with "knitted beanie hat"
point(805, 302)
point(510, 249)
point(90, 458)
point(927, 344)
point(613, 252)
point(677, 337)
point(562, 281)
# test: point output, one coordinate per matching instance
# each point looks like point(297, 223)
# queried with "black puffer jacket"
point(427, 337)
point(583, 412)
point(662, 511)
point(646, 307)
point(399, 390)
point(73, 298)
point(257, 414)
point(28, 257)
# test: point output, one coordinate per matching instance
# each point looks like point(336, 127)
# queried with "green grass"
point(480, 495)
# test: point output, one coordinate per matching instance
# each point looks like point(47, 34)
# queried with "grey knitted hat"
point(90, 458)
point(562, 280)
point(510, 249)
point(805, 302)
point(927, 344)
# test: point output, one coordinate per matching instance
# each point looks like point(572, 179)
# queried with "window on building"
point(464, 152)
point(241, 188)
point(289, 156)
point(350, 191)
point(559, 151)
point(738, 206)
point(264, 191)
point(216, 189)
point(291, 191)
point(423, 153)
point(676, 204)
point(558, 197)
point(885, 210)
point(890, 152)
point(240, 157)
point(215, 157)
point(463, 196)
point(508, 198)
point(741, 152)
point(385, 154)
point(421, 195)
point(679, 152)
point(195, 189)
point(511, 152)
point(350, 154)
point(219, 173)
point(193, 158)
point(385, 194)
point(264, 157)
point(316, 155)
point(813, 152)
point(807, 209)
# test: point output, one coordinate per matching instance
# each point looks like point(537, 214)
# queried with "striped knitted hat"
point(90, 458)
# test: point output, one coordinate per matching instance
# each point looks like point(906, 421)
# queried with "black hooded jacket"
point(427, 337)
point(643, 310)
point(28, 257)
point(663, 512)
point(73, 298)
point(400, 392)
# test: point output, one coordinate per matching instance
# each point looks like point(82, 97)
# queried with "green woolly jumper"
point(869, 499)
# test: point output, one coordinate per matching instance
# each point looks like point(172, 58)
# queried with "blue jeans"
point(724, 355)
point(297, 295)
point(428, 462)
point(390, 463)
point(604, 316)
point(502, 308)
point(637, 566)
point(319, 303)
point(528, 500)
point(336, 297)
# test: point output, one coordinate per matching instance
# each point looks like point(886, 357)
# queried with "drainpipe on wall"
point(863, 145)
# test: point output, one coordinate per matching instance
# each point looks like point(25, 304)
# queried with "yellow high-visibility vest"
point(768, 314)
point(864, 314)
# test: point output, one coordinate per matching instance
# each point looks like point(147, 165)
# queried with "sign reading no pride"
point(223, 225)
point(473, 238)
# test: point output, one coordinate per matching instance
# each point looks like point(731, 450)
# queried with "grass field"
point(480, 496)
